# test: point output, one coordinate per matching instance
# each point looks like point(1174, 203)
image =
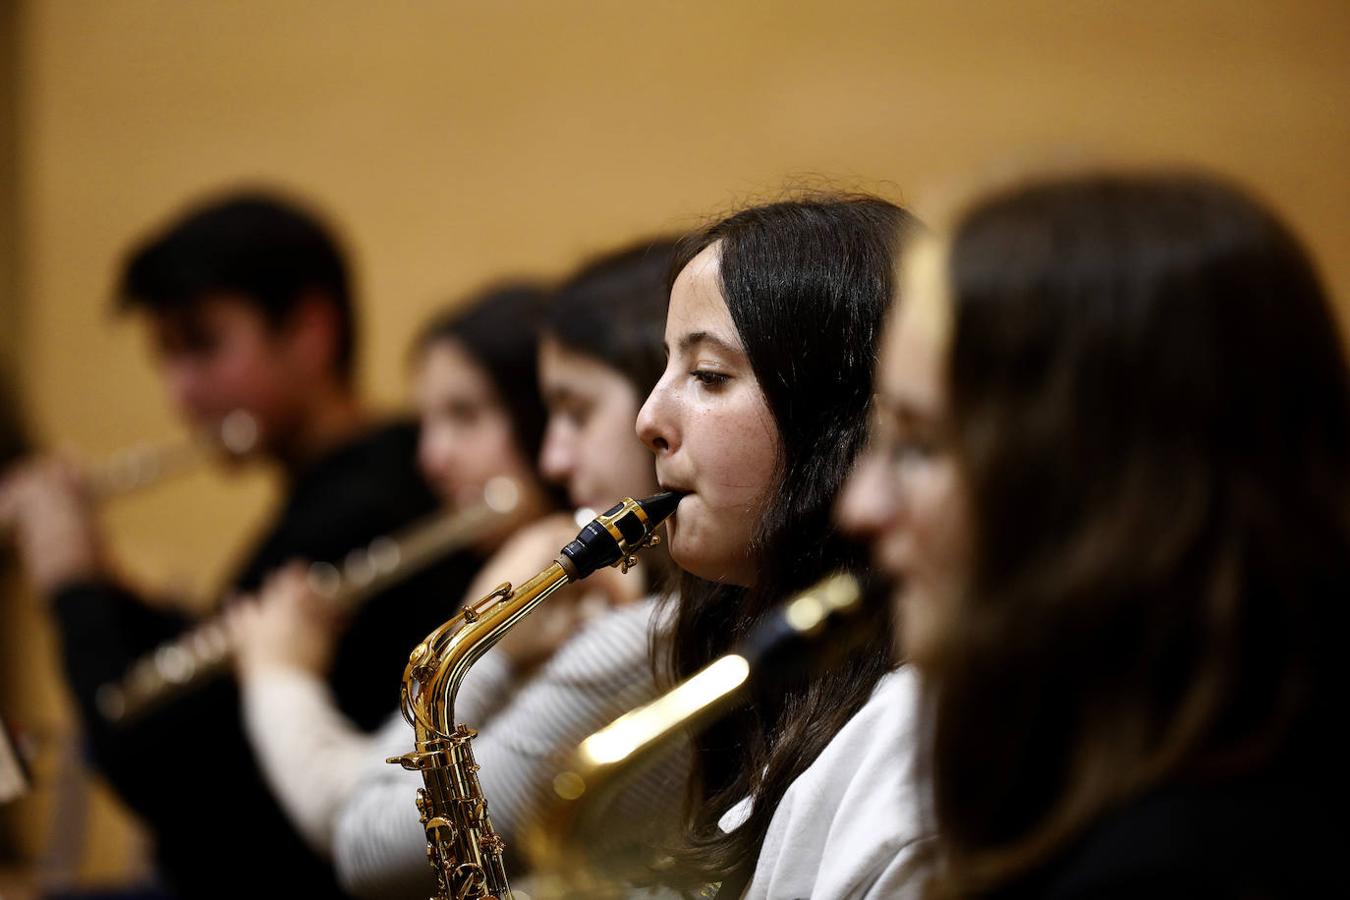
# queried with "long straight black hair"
point(807, 283)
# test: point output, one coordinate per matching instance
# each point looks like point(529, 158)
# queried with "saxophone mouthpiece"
point(659, 507)
point(612, 537)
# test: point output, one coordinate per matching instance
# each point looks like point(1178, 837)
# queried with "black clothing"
point(1272, 835)
point(186, 767)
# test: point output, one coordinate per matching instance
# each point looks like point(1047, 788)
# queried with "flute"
point(205, 652)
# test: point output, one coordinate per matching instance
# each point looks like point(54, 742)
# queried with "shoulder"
point(874, 749)
point(613, 646)
point(380, 464)
point(1262, 836)
point(361, 490)
point(856, 807)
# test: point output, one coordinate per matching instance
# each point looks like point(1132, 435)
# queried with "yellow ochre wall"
point(457, 142)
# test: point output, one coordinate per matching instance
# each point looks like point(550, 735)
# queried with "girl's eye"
point(462, 412)
point(902, 448)
point(578, 416)
point(709, 379)
point(912, 451)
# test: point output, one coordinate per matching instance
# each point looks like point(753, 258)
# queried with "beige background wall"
point(456, 142)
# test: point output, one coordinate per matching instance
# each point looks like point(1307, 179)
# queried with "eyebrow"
point(696, 338)
point(902, 410)
point(558, 394)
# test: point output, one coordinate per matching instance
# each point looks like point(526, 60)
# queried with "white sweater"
point(313, 757)
point(601, 673)
point(848, 827)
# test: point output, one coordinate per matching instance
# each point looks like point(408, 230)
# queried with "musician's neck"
point(333, 417)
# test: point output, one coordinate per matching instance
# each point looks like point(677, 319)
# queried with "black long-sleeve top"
point(185, 767)
point(1273, 833)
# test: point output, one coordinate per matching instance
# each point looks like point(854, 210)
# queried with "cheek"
point(737, 458)
point(639, 471)
point(736, 455)
point(498, 454)
point(433, 448)
point(612, 463)
point(940, 522)
point(939, 543)
point(244, 376)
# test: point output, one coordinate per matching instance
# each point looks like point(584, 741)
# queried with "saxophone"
point(465, 852)
point(555, 843)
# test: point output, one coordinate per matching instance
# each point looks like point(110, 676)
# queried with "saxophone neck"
point(462, 847)
point(438, 665)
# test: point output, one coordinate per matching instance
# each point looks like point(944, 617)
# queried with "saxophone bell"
point(603, 763)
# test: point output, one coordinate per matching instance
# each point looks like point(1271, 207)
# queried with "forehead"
point(211, 313)
point(696, 301)
point(560, 365)
point(446, 369)
point(919, 331)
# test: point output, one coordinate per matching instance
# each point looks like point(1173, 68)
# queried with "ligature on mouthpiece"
point(612, 537)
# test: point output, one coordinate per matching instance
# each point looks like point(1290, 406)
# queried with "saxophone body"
point(556, 843)
point(465, 852)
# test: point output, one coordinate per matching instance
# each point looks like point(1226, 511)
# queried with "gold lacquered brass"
point(465, 852)
point(556, 844)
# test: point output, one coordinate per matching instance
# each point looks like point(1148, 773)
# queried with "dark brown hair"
point(267, 250)
point(1151, 410)
point(613, 308)
point(807, 284)
point(499, 328)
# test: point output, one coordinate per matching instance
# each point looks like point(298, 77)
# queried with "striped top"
point(334, 783)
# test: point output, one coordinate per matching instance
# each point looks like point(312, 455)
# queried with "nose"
point(184, 384)
point(869, 504)
point(557, 459)
point(655, 422)
point(433, 454)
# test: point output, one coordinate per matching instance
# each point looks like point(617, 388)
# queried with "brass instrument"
point(555, 843)
point(204, 652)
point(464, 850)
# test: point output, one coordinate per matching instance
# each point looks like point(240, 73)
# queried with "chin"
point(687, 558)
point(721, 571)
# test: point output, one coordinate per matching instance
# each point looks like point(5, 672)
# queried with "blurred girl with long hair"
point(1111, 473)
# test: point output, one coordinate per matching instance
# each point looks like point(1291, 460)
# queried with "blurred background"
point(454, 143)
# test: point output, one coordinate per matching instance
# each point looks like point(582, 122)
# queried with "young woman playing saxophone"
point(1111, 474)
point(772, 334)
